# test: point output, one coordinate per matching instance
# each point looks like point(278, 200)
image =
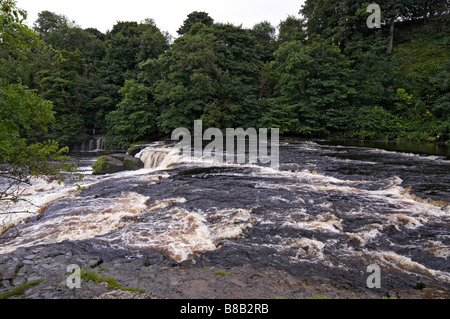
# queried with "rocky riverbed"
point(189, 228)
point(41, 273)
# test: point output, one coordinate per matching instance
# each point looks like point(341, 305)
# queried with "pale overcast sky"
point(168, 14)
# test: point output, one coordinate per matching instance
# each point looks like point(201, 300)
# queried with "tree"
point(315, 80)
point(152, 41)
point(15, 37)
point(128, 44)
point(265, 36)
point(213, 74)
point(193, 18)
point(63, 85)
point(21, 110)
point(135, 117)
point(335, 20)
point(48, 21)
point(281, 116)
point(441, 106)
point(74, 38)
point(190, 81)
point(292, 29)
point(84, 88)
point(396, 11)
point(241, 61)
point(341, 20)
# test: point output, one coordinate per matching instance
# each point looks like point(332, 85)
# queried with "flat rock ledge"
point(42, 273)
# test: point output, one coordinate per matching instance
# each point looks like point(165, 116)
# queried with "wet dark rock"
point(132, 163)
point(153, 277)
point(119, 156)
point(107, 165)
point(95, 262)
point(156, 258)
point(110, 164)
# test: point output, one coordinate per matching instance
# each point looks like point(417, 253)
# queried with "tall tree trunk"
point(391, 37)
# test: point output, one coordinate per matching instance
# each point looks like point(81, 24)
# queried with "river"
point(330, 211)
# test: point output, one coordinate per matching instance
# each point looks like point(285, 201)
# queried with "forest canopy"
point(322, 73)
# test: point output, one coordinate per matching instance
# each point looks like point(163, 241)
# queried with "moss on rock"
point(110, 164)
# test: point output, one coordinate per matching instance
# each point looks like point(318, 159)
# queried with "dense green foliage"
point(135, 115)
point(22, 110)
point(326, 74)
point(315, 82)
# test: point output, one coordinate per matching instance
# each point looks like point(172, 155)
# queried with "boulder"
point(119, 156)
point(115, 163)
point(132, 163)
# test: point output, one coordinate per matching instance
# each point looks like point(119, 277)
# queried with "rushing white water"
point(180, 232)
point(78, 222)
point(184, 206)
point(34, 200)
point(158, 159)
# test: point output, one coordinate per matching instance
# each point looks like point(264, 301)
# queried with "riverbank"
point(41, 273)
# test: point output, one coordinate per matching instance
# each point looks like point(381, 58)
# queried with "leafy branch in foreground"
point(23, 110)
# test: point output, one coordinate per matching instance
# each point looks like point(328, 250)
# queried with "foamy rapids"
point(304, 216)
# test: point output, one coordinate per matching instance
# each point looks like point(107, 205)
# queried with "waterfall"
point(160, 159)
point(100, 144)
point(95, 144)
